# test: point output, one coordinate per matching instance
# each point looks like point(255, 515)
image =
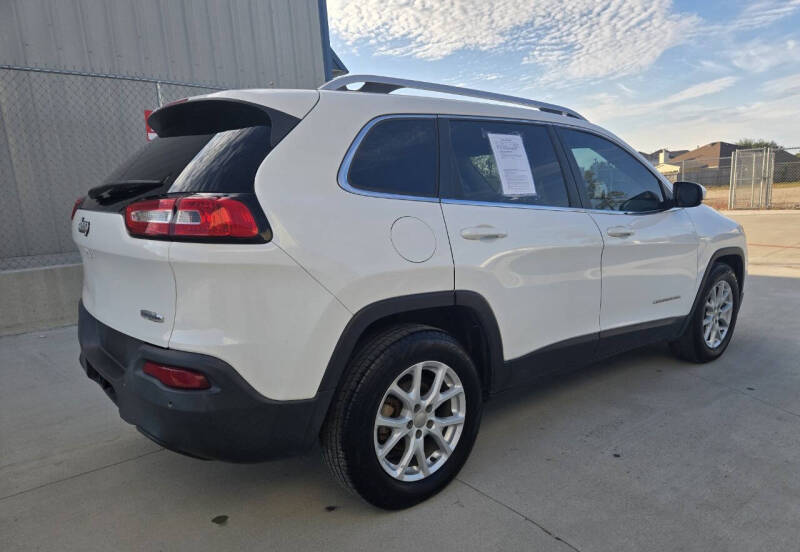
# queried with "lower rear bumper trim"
point(230, 421)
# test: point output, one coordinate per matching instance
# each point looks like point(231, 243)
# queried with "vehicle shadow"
point(554, 400)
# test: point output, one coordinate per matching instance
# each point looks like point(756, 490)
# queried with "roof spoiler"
point(212, 115)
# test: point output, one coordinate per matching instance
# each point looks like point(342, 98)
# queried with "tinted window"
point(612, 178)
point(161, 160)
point(397, 156)
point(227, 163)
point(476, 175)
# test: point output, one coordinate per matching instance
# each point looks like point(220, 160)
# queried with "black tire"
point(347, 435)
point(691, 346)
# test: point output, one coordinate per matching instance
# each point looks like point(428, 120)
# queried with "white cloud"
point(758, 55)
point(607, 106)
point(698, 90)
point(782, 86)
point(568, 40)
point(696, 124)
point(762, 13)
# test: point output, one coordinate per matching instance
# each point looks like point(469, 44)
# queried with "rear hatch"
point(208, 151)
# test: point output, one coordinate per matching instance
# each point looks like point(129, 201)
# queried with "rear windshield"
point(225, 162)
point(161, 160)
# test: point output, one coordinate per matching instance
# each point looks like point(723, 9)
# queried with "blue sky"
point(657, 73)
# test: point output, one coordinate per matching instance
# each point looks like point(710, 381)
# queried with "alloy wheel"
point(717, 314)
point(419, 421)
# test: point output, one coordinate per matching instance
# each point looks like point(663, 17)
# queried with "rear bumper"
point(230, 421)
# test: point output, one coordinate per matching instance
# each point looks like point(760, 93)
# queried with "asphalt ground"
point(641, 452)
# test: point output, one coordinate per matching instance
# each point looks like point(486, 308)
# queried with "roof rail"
point(384, 85)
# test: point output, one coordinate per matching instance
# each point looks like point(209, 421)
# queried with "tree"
point(749, 143)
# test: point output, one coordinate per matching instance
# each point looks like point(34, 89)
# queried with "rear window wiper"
point(119, 190)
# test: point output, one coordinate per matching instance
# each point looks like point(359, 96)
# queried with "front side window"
point(611, 178)
point(498, 162)
point(397, 156)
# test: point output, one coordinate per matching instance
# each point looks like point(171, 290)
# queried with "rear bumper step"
point(230, 421)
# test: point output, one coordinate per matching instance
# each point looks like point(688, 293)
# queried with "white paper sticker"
point(512, 164)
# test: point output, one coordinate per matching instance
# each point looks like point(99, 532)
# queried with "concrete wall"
point(39, 298)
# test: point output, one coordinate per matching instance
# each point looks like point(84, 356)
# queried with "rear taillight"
point(214, 217)
point(191, 217)
point(150, 218)
point(178, 378)
point(76, 206)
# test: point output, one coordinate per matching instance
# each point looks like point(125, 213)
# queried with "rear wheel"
point(711, 328)
point(405, 418)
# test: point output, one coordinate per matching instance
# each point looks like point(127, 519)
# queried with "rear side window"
point(397, 156)
point(500, 162)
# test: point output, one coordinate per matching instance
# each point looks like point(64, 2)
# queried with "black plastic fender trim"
point(724, 252)
point(379, 310)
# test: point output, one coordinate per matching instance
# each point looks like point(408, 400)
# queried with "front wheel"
point(405, 418)
point(711, 327)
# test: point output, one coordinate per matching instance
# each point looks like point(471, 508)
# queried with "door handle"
point(619, 232)
point(481, 232)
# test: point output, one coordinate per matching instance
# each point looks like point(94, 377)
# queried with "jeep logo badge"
point(83, 226)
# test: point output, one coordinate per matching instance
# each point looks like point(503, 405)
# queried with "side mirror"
point(688, 194)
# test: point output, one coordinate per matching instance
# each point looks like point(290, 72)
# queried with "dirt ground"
point(784, 196)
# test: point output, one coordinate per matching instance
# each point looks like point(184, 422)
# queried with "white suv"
point(366, 268)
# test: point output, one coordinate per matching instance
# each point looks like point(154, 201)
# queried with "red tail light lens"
point(191, 217)
point(178, 378)
point(76, 206)
point(214, 217)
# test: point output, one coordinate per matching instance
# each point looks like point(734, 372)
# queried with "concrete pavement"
point(641, 452)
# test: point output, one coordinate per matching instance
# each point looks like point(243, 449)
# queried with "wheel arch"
point(464, 314)
point(731, 256)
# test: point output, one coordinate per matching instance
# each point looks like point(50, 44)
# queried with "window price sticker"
point(512, 164)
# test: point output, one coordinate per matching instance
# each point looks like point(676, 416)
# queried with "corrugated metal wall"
point(61, 134)
point(230, 43)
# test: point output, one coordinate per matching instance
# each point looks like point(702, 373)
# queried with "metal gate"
point(752, 172)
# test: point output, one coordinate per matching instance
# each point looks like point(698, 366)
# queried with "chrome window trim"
point(344, 168)
point(508, 205)
point(548, 207)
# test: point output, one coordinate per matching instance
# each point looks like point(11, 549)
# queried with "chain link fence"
point(751, 178)
point(61, 133)
point(760, 178)
point(785, 192)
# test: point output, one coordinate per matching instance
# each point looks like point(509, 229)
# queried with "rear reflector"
point(76, 206)
point(191, 217)
point(178, 378)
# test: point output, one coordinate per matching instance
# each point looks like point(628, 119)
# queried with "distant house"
point(713, 155)
point(661, 156)
point(668, 168)
point(710, 164)
point(718, 154)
